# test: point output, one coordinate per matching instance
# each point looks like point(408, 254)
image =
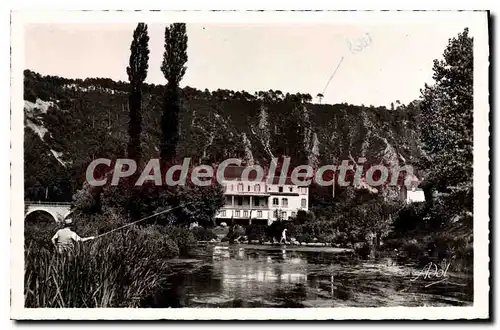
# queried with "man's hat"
point(68, 220)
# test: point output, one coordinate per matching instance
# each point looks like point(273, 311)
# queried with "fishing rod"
point(148, 217)
point(333, 74)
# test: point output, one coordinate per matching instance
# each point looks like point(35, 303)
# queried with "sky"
point(385, 63)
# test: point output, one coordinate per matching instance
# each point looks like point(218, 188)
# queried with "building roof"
point(236, 173)
point(287, 181)
point(415, 196)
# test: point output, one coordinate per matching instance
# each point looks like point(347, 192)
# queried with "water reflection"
point(234, 276)
point(251, 276)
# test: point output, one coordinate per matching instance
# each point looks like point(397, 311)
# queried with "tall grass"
point(117, 270)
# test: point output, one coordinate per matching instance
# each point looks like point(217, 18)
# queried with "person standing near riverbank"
point(283, 236)
point(65, 237)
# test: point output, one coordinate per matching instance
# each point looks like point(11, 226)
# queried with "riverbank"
point(280, 247)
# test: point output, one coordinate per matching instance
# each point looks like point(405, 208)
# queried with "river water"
point(259, 276)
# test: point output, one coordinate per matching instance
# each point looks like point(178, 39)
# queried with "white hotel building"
point(259, 202)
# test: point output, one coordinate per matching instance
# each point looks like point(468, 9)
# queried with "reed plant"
point(117, 270)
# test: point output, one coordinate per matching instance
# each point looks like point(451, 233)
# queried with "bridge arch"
point(32, 215)
point(57, 211)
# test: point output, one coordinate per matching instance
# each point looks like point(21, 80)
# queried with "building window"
point(240, 200)
point(256, 202)
point(303, 203)
point(303, 190)
point(232, 188)
point(275, 213)
point(294, 214)
point(276, 201)
point(284, 202)
point(237, 213)
point(257, 188)
point(280, 189)
point(223, 213)
point(283, 215)
point(245, 214)
point(248, 188)
point(291, 189)
point(240, 187)
point(259, 214)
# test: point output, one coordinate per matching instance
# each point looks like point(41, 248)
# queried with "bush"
point(306, 238)
point(324, 230)
point(275, 230)
point(98, 223)
point(303, 217)
point(413, 250)
point(220, 231)
point(329, 239)
point(183, 237)
point(464, 259)
point(256, 232)
point(168, 247)
point(203, 234)
point(410, 217)
point(233, 233)
point(362, 249)
point(40, 233)
point(293, 230)
point(341, 239)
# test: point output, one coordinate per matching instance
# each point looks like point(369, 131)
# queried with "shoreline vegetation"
point(128, 267)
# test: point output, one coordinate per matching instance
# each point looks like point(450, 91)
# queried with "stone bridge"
point(54, 209)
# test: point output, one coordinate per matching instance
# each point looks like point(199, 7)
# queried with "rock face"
point(84, 120)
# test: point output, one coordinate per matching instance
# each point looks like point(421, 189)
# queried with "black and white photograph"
point(250, 165)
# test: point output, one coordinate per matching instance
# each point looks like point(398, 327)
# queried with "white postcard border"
point(477, 23)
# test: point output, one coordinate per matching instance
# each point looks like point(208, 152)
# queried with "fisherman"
point(283, 236)
point(64, 238)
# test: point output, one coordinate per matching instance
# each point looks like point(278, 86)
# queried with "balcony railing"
point(246, 193)
point(47, 203)
point(246, 207)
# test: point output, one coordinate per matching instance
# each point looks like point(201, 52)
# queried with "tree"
point(137, 72)
point(173, 68)
point(447, 132)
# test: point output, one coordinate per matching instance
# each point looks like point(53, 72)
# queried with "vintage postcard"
point(250, 165)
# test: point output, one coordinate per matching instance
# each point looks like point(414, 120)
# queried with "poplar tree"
point(173, 68)
point(137, 72)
